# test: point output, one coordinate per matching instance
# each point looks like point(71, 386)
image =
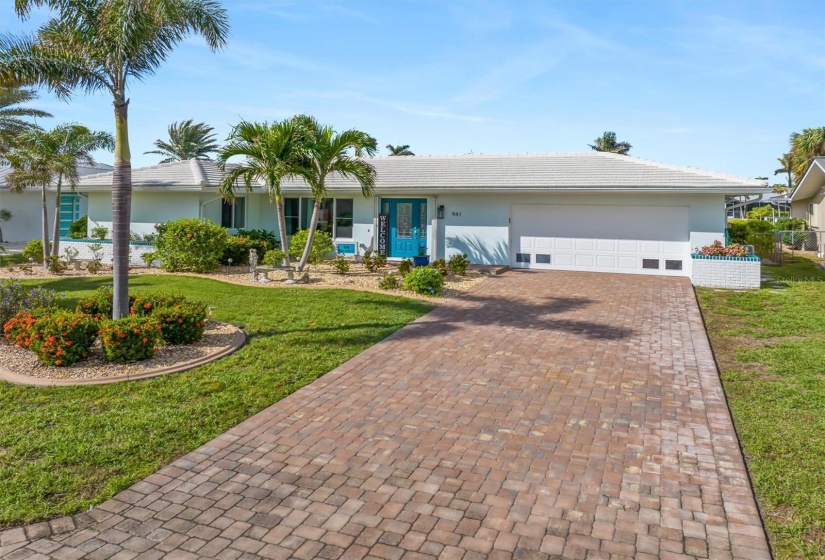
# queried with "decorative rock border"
point(238, 340)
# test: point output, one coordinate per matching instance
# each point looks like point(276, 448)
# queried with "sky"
point(716, 85)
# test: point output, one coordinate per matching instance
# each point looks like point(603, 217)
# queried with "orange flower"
point(58, 362)
point(145, 340)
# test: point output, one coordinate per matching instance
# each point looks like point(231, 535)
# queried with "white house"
point(808, 200)
point(566, 211)
point(25, 207)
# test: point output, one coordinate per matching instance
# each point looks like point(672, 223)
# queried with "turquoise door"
point(407, 225)
point(69, 211)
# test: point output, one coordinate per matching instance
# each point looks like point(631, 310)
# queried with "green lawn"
point(11, 258)
point(63, 449)
point(770, 345)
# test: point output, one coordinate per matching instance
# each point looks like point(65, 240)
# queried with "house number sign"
point(383, 233)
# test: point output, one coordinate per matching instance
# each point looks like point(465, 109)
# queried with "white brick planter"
point(735, 273)
point(84, 253)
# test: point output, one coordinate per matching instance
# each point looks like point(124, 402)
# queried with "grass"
point(770, 345)
point(64, 449)
point(11, 258)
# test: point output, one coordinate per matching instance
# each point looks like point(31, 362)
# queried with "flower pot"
point(423, 260)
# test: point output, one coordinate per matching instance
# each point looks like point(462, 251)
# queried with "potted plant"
point(423, 259)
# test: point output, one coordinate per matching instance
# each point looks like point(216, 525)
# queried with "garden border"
point(238, 340)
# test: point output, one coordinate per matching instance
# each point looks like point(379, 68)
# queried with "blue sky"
point(716, 85)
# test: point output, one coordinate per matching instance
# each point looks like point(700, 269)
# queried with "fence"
point(797, 242)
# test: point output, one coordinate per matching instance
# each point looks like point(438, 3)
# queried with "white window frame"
point(245, 213)
point(333, 217)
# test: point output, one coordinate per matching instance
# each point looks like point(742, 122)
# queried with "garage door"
point(631, 239)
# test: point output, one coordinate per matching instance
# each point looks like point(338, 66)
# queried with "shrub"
point(146, 304)
point(15, 297)
point(99, 305)
point(322, 245)
point(183, 323)
point(441, 266)
point(390, 281)
point(274, 258)
point(33, 250)
point(99, 232)
point(790, 224)
point(190, 245)
point(129, 339)
point(149, 258)
point(374, 262)
point(266, 236)
point(424, 280)
point(237, 248)
point(458, 264)
point(753, 232)
point(63, 338)
point(19, 329)
point(341, 264)
point(716, 249)
point(79, 228)
point(56, 264)
point(738, 230)
point(97, 258)
point(405, 267)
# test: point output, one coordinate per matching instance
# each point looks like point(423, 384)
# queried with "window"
point(233, 213)
point(542, 259)
point(343, 217)
point(811, 218)
point(523, 258)
point(324, 214)
point(423, 222)
point(673, 265)
point(650, 263)
point(292, 214)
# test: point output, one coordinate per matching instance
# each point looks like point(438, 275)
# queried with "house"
point(25, 206)
point(589, 211)
point(808, 199)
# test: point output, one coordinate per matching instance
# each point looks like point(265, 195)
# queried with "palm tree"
point(328, 153)
point(94, 46)
point(272, 153)
point(400, 150)
point(805, 147)
point(607, 143)
point(5, 216)
point(787, 167)
point(46, 156)
point(12, 116)
point(186, 141)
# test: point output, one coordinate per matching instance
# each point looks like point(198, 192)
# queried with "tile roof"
point(81, 169)
point(473, 172)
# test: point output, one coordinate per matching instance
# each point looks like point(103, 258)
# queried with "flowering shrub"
point(190, 245)
point(183, 323)
point(146, 304)
point(15, 297)
point(424, 280)
point(99, 304)
point(129, 339)
point(716, 249)
point(19, 329)
point(62, 338)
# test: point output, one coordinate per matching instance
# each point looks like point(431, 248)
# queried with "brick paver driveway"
point(546, 415)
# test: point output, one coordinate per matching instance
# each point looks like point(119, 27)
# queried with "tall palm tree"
point(786, 161)
point(400, 150)
point(328, 153)
point(271, 152)
point(101, 45)
point(13, 117)
point(607, 143)
point(186, 141)
point(47, 156)
point(805, 146)
point(5, 216)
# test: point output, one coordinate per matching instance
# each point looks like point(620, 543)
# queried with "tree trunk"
point(56, 230)
point(45, 220)
point(279, 205)
point(312, 227)
point(121, 210)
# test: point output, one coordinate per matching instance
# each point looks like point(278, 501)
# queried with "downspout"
point(435, 229)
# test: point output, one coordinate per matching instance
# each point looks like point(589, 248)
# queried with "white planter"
point(735, 273)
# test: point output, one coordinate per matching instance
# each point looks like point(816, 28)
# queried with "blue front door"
point(407, 225)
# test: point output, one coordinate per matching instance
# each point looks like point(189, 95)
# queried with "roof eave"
point(809, 185)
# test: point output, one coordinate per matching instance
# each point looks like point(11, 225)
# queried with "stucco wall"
point(148, 209)
point(799, 209)
point(26, 223)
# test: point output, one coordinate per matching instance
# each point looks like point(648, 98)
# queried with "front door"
point(407, 225)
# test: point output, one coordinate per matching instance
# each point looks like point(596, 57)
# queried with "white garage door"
point(631, 239)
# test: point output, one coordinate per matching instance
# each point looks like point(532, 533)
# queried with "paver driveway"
point(546, 415)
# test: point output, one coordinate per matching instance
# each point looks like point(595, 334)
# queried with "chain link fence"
point(804, 242)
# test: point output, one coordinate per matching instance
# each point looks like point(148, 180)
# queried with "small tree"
point(187, 140)
point(607, 143)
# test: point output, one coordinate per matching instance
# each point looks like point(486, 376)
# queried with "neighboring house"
point(738, 207)
point(26, 224)
point(590, 211)
point(808, 199)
